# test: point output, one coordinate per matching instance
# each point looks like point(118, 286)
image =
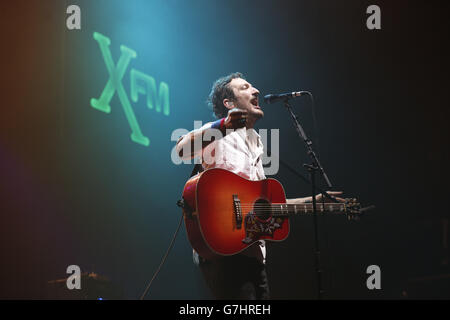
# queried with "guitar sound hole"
point(262, 209)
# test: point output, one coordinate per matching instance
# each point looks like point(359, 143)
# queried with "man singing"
point(235, 103)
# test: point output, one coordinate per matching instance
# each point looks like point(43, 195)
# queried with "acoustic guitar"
point(225, 213)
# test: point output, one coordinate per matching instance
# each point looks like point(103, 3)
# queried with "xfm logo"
point(140, 83)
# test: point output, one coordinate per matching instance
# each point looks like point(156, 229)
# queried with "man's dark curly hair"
point(220, 91)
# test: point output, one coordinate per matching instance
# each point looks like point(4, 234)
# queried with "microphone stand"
point(312, 168)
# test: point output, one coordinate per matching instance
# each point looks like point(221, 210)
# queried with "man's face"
point(246, 97)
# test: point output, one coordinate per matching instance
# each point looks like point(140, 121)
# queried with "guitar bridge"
point(237, 211)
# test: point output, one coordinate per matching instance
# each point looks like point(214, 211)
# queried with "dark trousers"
point(236, 277)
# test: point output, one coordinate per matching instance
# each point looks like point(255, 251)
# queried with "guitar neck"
point(284, 209)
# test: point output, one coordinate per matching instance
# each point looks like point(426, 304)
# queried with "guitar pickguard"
point(256, 228)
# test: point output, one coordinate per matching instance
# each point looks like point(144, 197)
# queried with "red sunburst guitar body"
point(225, 213)
point(223, 206)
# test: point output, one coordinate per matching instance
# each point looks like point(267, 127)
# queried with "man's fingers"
point(334, 192)
point(237, 112)
point(333, 195)
point(238, 117)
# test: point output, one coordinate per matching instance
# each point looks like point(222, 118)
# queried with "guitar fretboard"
point(307, 208)
point(285, 209)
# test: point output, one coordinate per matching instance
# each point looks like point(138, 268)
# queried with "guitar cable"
point(197, 168)
point(163, 259)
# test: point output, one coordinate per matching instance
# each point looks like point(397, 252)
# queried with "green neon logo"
point(156, 99)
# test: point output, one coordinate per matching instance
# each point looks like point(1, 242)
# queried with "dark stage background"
point(75, 189)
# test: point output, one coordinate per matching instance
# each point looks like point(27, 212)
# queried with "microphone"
point(271, 98)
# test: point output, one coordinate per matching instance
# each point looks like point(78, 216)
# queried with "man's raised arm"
point(192, 144)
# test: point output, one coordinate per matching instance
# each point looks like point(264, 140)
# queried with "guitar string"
point(293, 211)
point(276, 211)
point(286, 215)
point(291, 208)
point(303, 209)
point(291, 204)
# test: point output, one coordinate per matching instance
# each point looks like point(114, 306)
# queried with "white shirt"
point(240, 152)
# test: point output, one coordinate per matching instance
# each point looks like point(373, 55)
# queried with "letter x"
point(114, 84)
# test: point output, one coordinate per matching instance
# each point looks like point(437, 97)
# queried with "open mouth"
point(254, 102)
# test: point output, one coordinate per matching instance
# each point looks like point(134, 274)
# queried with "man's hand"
point(236, 119)
point(321, 198)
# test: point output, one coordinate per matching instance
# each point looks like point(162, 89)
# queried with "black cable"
point(163, 259)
